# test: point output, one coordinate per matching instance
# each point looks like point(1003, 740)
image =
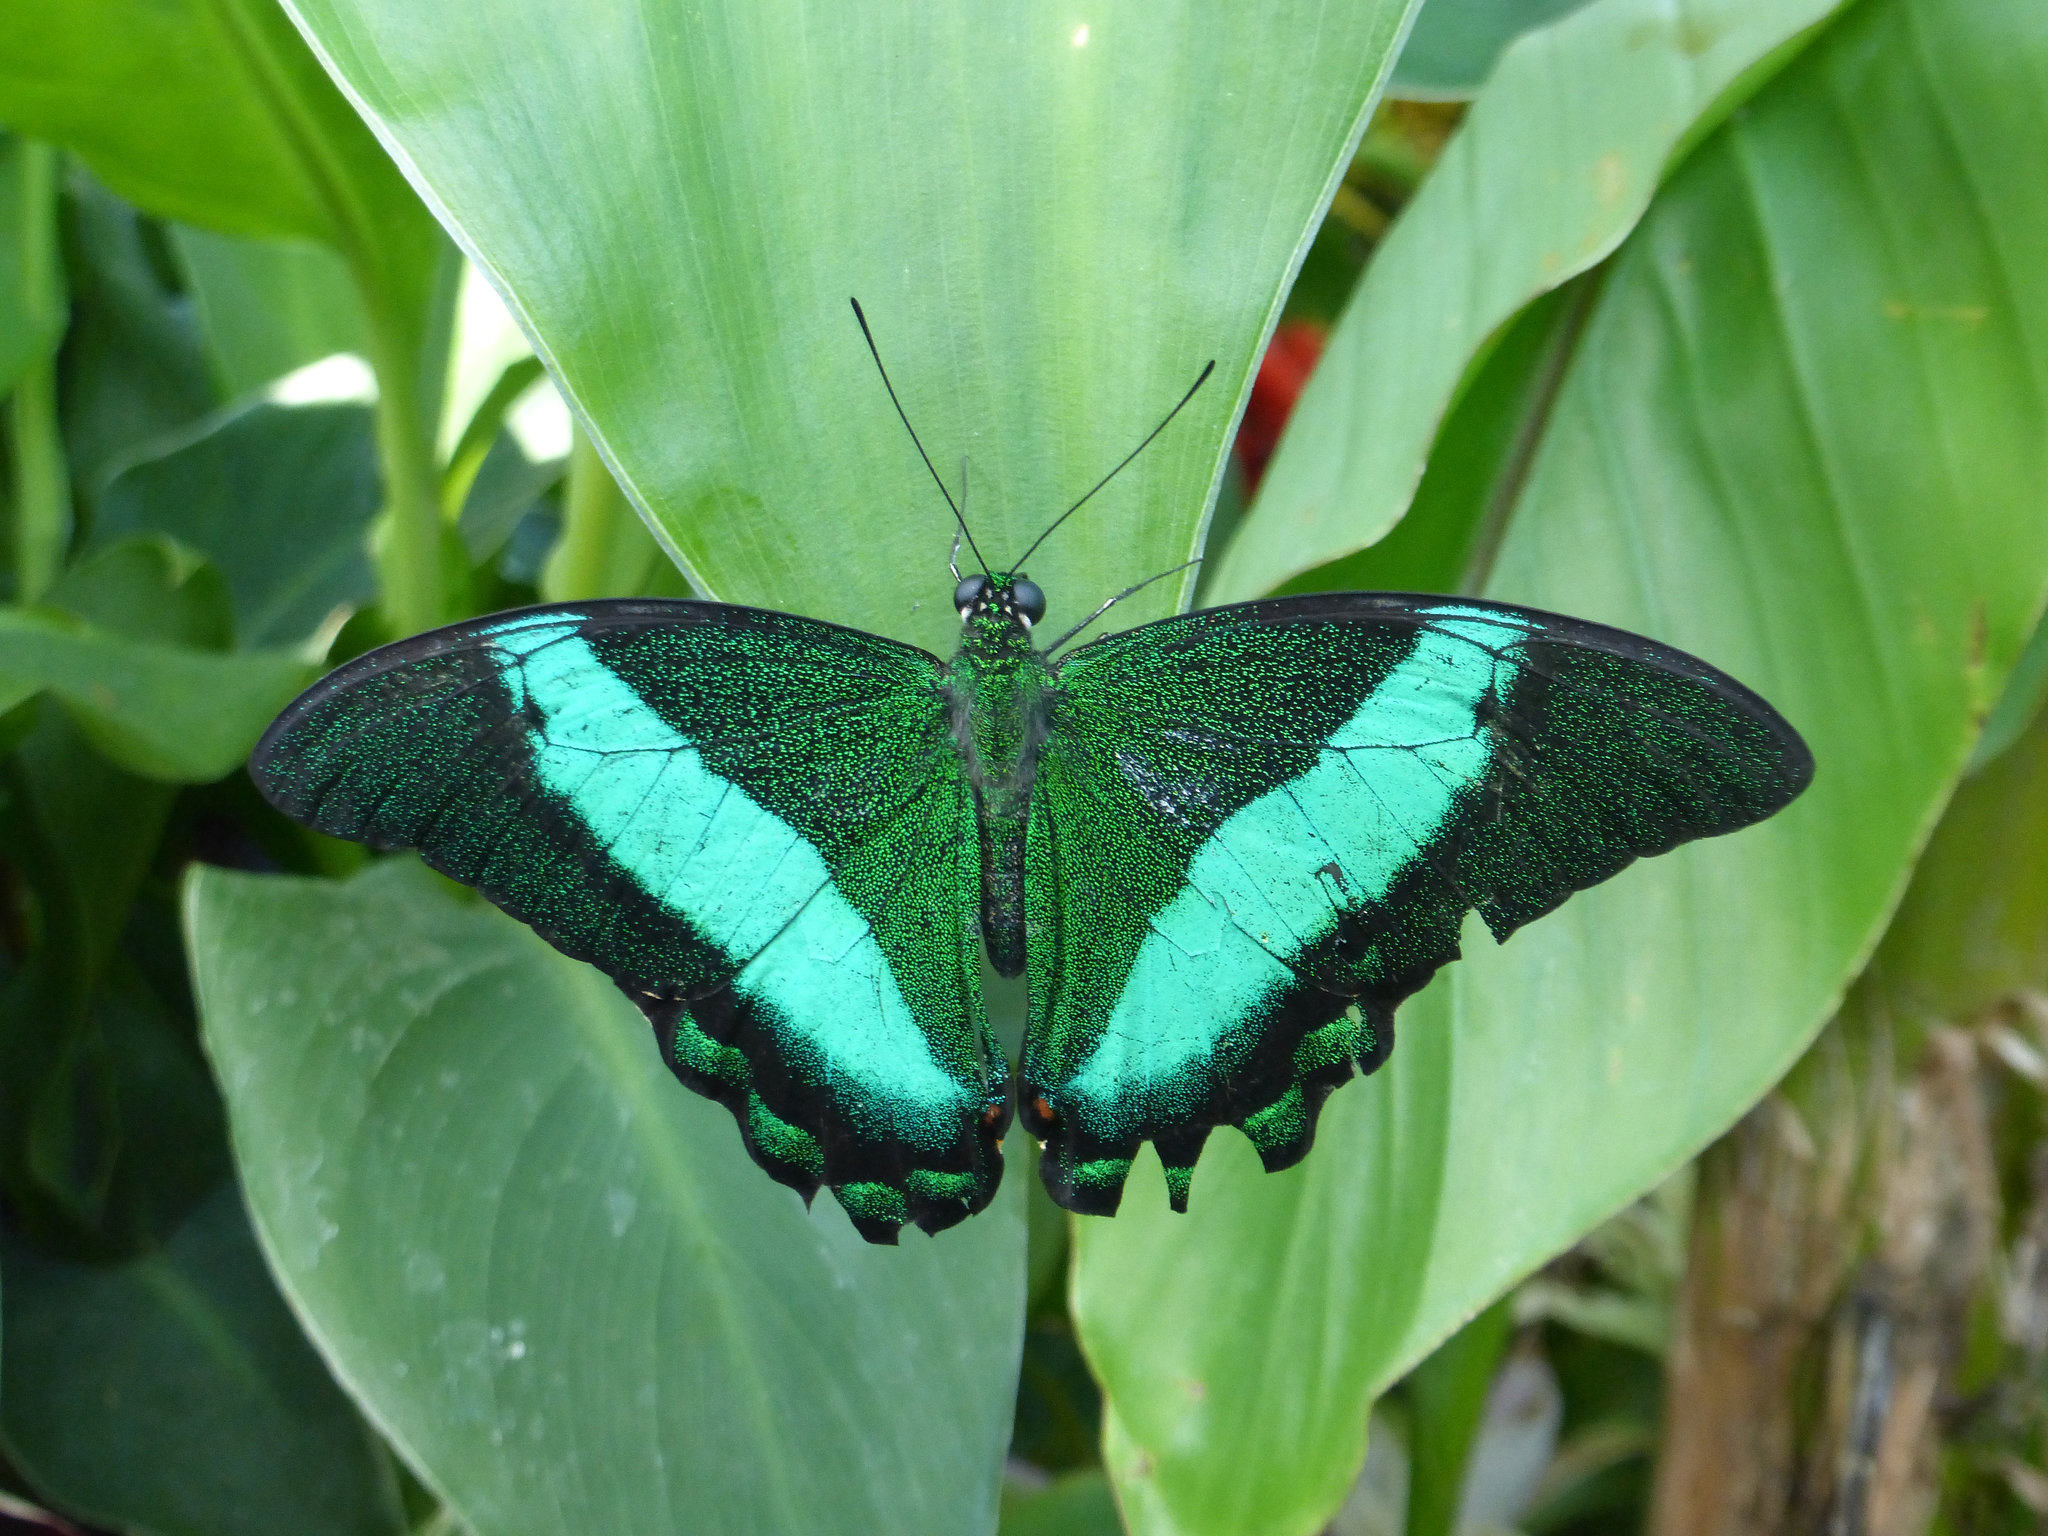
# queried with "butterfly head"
point(1012, 596)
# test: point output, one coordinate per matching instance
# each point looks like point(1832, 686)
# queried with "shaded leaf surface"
point(1079, 1504)
point(216, 113)
point(80, 1046)
point(279, 499)
point(132, 640)
point(1973, 928)
point(132, 367)
point(1450, 535)
point(175, 1395)
point(1455, 43)
point(163, 711)
point(1803, 435)
point(551, 1274)
point(145, 587)
point(506, 487)
point(267, 307)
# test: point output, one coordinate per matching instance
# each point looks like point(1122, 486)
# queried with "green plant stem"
point(484, 425)
point(597, 521)
point(409, 550)
point(42, 482)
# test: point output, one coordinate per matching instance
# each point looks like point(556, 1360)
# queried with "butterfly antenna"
point(1207, 369)
point(1127, 592)
point(904, 417)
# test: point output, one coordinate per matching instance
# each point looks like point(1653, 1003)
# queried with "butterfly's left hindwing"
point(756, 824)
point(1255, 830)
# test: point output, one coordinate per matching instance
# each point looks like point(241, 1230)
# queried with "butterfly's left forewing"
point(755, 824)
point(1255, 830)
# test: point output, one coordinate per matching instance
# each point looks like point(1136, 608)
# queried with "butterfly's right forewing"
point(756, 824)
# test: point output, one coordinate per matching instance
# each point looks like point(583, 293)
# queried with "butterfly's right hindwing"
point(755, 824)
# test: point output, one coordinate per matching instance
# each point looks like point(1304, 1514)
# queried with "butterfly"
point(1225, 846)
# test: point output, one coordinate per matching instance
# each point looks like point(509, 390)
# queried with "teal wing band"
point(755, 824)
point(1255, 830)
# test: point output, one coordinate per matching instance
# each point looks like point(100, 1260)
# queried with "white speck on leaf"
point(424, 1273)
point(620, 1205)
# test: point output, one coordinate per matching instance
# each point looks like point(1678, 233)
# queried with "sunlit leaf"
point(1803, 435)
point(209, 111)
point(1054, 218)
point(1553, 167)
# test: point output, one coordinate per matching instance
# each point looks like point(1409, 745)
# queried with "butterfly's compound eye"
point(968, 593)
point(1029, 598)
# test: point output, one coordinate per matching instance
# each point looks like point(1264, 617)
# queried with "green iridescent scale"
point(1225, 846)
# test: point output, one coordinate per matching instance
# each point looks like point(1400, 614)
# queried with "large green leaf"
point(1803, 435)
point(1553, 167)
point(1054, 217)
point(134, 365)
point(267, 307)
point(552, 1275)
point(278, 498)
point(173, 1395)
point(164, 711)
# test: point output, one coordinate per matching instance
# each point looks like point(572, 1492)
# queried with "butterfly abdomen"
point(998, 702)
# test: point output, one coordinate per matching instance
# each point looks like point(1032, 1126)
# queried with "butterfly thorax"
point(997, 686)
